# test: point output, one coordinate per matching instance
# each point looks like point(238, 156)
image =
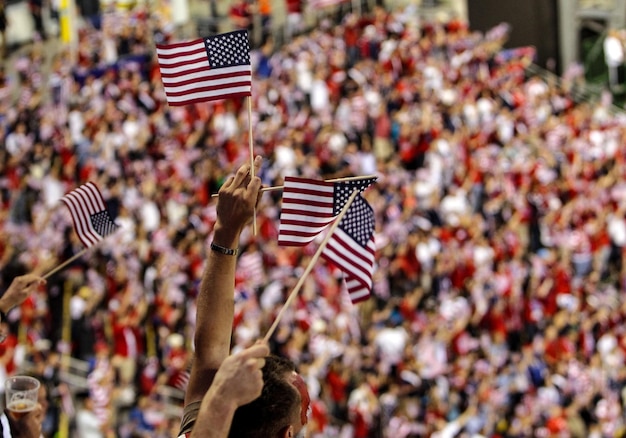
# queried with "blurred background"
point(496, 129)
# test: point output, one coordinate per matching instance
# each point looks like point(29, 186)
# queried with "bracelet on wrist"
point(3, 334)
point(223, 250)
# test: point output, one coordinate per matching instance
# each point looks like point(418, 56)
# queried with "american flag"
point(351, 248)
point(210, 68)
point(92, 221)
point(309, 205)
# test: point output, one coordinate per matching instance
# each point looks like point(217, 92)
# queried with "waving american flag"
point(204, 69)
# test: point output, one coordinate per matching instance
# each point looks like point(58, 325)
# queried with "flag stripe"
point(296, 184)
point(184, 54)
point(173, 49)
point(296, 240)
point(315, 212)
point(204, 97)
point(317, 204)
point(357, 292)
point(211, 68)
point(310, 192)
point(300, 229)
point(189, 82)
point(299, 233)
point(210, 91)
point(200, 70)
point(315, 220)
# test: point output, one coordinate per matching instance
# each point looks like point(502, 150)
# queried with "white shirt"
point(613, 51)
point(88, 425)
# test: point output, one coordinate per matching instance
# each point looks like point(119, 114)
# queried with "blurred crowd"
point(500, 230)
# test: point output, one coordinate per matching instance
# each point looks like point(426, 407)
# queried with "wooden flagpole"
point(349, 178)
point(251, 145)
point(65, 263)
point(308, 269)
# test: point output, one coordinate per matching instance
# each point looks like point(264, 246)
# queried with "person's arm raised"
point(236, 206)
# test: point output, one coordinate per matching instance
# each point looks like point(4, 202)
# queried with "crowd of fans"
point(500, 230)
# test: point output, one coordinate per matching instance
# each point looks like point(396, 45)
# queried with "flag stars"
point(359, 221)
point(344, 189)
point(228, 49)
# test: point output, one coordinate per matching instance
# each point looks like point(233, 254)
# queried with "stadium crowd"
point(500, 229)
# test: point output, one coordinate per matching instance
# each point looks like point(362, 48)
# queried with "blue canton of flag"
point(352, 248)
point(102, 223)
point(344, 189)
point(228, 49)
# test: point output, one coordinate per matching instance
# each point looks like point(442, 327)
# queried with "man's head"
point(280, 411)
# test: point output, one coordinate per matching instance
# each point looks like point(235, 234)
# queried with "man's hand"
point(238, 381)
point(20, 289)
point(238, 198)
point(28, 426)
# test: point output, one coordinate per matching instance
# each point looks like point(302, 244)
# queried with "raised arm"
point(236, 204)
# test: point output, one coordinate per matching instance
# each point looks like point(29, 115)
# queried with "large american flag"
point(210, 68)
point(351, 248)
point(92, 220)
point(309, 205)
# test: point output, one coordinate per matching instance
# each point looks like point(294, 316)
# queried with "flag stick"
point(308, 269)
point(349, 178)
point(251, 144)
point(65, 263)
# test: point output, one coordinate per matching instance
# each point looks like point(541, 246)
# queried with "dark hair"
point(272, 412)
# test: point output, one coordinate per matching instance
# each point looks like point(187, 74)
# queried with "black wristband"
point(225, 251)
point(3, 318)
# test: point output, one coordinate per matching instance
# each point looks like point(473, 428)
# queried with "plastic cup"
point(21, 394)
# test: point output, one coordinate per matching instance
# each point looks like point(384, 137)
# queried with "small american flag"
point(210, 68)
point(309, 205)
point(351, 248)
point(92, 221)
